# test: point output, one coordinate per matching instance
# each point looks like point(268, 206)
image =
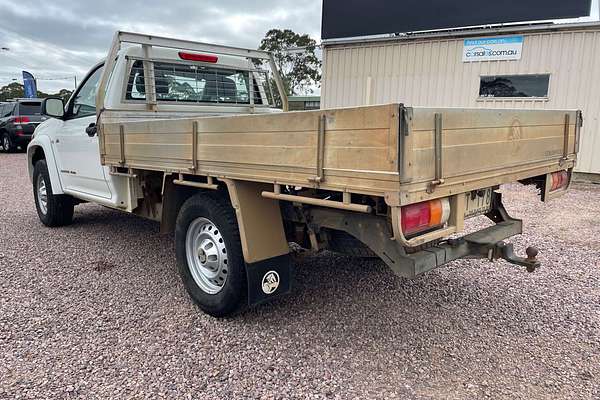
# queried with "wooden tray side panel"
point(361, 146)
point(480, 143)
point(360, 149)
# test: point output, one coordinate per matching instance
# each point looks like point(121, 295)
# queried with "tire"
point(7, 144)
point(209, 255)
point(53, 210)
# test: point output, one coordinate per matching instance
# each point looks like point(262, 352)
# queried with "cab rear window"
point(30, 108)
point(193, 83)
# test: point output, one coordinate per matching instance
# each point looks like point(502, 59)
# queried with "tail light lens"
point(423, 216)
point(560, 180)
point(21, 120)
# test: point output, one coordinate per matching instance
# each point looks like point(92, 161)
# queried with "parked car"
point(18, 120)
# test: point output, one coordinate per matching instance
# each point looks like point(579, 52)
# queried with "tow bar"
point(506, 251)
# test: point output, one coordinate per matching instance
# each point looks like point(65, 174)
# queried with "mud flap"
point(269, 279)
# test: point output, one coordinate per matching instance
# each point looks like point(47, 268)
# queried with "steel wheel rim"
point(42, 194)
point(206, 255)
point(5, 143)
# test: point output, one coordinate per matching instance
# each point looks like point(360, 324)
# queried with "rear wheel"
point(53, 210)
point(7, 144)
point(209, 255)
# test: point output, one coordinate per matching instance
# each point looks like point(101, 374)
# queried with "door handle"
point(91, 130)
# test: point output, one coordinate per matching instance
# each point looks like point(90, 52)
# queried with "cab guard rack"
point(147, 41)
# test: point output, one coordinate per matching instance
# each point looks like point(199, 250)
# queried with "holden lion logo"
point(270, 282)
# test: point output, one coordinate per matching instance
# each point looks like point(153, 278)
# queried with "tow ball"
point(506, 251)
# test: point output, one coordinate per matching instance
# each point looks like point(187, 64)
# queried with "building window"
point(312, 105)
point(514, 86)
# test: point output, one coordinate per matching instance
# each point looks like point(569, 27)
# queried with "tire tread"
point(220, 208)
point(60, 208)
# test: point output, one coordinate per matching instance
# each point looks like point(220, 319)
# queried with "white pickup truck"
point(188, 134)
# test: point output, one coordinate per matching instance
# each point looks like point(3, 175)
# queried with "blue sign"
point(493, 49)
point(29, 85)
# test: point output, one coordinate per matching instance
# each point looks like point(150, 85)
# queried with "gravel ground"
point(96, 310)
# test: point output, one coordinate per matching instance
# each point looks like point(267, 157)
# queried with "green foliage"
point(65, 94)
point(295, 58)
point(15, 90)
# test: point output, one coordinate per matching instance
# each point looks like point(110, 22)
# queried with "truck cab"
point(185, 84)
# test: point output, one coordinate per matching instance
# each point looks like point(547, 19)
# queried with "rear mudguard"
point(265, 247)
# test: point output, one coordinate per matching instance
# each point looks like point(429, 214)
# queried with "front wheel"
point(53, 210)
point(209, 255)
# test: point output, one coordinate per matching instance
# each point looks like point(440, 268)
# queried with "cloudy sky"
point(63, 38)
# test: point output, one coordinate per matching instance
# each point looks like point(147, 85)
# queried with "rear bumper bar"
point(376, 233)
point(481, 244)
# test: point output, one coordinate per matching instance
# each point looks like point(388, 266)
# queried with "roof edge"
point(465, 32)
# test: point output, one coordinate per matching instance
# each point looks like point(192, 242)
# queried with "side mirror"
point(53, 107)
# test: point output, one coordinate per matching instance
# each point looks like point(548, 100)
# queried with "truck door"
point(78, 154)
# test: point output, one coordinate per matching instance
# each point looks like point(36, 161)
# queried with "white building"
point(533, 66)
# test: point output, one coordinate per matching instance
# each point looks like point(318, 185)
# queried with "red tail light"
point(560, 180)
point(423, 216)
point(198, 57)
point(21, 120)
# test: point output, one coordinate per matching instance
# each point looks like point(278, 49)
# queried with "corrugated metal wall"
point(431, 73)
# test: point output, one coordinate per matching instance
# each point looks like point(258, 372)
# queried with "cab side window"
point(136, 89)
point(84, 103)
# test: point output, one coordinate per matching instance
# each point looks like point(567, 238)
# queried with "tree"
point(65, 94)
point(11, 91)
point(295, 58)
point(15, 90)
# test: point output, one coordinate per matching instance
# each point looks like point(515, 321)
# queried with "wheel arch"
point(39, 150)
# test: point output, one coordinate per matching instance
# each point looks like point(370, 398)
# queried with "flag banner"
point(29, 85)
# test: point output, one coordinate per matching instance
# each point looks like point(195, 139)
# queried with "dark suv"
point(18, 120)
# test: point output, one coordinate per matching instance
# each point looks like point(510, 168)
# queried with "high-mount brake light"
point(198, 57)
point(560, 180)
point(423, 216)
point(21, 120)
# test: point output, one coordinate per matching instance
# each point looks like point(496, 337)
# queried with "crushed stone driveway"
point(96, 310)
